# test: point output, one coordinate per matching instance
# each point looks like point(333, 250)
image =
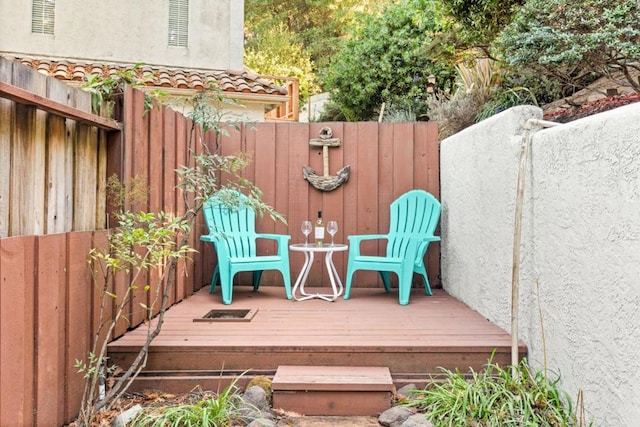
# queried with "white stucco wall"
point(580, 243)
point(129, 31)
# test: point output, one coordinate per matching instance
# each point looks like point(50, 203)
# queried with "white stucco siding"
point(586, 236)
point(580, 245)
point(129, 31)
point(479, 168)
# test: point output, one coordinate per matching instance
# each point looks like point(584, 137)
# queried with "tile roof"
point(165, 77)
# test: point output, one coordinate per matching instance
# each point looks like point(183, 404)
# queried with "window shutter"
point(43, 16)
point(179, 23)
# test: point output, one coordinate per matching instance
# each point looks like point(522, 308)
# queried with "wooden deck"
point(370, 329)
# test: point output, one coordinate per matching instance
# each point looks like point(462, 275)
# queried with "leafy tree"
point(478, 22)
point(574, 42)
point(384, 61)
point(317, 24)
point(278, 52)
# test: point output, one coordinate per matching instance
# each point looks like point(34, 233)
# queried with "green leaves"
point(384, 60)
point(575, 41)
point(212, 411)
point(103, 89)
point(495, 397)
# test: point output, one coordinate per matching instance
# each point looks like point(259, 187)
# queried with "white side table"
point(309, 251)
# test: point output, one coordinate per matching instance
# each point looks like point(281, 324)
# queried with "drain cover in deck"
point(228, 315)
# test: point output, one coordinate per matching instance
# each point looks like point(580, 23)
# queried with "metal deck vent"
point(228, 315)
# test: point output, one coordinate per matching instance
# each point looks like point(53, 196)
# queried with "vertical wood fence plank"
point(23, 187)
point(333, 206)
point(57, 171)
point(6, 113)
point(50, 322)
point(298, 207)
point(71, 138)
point(119, 285)
point(78, 318)
point(183, 133)
point(402, 164)
point(17, 332)
point(317, 275)
point(265, 180)
point(277, 197)
point(59, 162)
point(98, 320)
point(386, 177)
point(169, 178)
point(100, 222)
point(427, 174)
point(349, 224)
point(156, 169)
point(368, 190)
point(140, 164)
point(196, 146)
point(85, 179)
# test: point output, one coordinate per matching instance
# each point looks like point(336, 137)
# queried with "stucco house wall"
point(580, 251)
point(129, 32)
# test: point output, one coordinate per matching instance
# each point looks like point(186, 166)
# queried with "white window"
point(43, 16)
point(179, 23)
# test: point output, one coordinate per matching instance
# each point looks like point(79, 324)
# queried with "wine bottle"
point(318, 230)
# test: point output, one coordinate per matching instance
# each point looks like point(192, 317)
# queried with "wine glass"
point(332, 228)
point(306, 230)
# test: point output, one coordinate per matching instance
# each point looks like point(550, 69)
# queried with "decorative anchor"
point(325, 182)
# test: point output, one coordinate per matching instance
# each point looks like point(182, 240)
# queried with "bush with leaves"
point(207, 410)
point(104, 90)
point(574, 42)
point(317, 25)
point(474, 24)
point(474, 87)
point(495, 396)
point(141, 243)
point(277, 52)
point(384, 61)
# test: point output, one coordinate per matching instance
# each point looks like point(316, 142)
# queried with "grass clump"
point(210, 410)
point(495, 396)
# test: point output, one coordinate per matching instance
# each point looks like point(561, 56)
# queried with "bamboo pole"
point(517, 233)
point(515, 273)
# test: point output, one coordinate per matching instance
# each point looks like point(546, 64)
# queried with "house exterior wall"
point(130, 32)
point(580, 256)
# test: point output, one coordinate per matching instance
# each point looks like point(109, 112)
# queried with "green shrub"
point(212, 411)
point(496, 396)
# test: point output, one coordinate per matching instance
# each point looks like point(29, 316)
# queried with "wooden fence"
point(52, 158)
point(47, 302)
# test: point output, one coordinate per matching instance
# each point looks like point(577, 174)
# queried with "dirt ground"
point(153, 398)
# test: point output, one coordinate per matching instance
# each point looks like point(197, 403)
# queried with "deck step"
point(333, 390)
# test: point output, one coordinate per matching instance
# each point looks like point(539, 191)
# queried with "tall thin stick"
point(517, 232)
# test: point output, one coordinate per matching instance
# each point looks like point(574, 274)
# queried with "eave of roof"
point(238, 85)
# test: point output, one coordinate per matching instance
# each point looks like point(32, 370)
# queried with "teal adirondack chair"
point(233, 234)
point(414, 218)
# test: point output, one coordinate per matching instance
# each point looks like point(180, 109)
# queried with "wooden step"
point(333, 390)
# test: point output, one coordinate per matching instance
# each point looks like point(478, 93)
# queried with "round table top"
point(311, 247)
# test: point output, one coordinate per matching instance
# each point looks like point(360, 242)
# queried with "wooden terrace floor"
point(370, 329)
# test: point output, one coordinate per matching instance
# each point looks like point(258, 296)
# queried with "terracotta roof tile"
point(228, 81)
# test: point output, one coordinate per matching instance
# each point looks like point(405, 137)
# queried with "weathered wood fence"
point(55, 158)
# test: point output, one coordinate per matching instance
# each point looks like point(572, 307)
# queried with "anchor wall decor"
point(325, 182)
